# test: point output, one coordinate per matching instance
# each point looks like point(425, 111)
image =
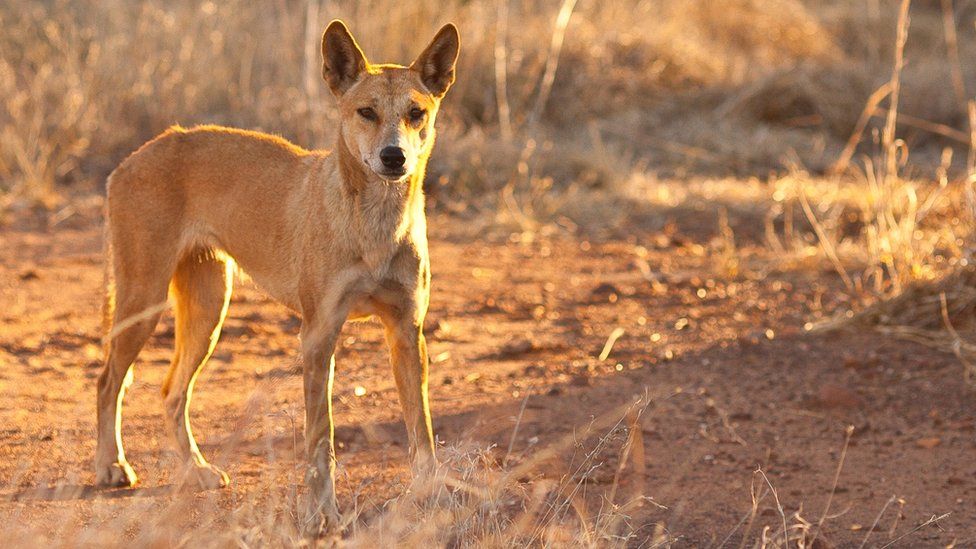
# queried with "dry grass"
point(917, 236)
point(539, 497)
point(563, 117)
point(733, 87)
point(472, 501)
point(566, 117)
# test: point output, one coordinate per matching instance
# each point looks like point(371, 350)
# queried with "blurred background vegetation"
point(743, 87)
point(613, 116)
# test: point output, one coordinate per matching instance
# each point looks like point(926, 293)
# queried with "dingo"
point(330, 235)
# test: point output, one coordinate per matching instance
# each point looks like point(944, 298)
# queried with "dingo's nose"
point(392, 157)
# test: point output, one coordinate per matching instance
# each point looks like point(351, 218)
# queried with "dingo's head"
point(387, 111)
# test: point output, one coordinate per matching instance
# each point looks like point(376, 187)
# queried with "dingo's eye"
point(416, 115)
point(367, 113)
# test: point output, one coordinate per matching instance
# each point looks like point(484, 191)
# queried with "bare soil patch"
point(735, 383)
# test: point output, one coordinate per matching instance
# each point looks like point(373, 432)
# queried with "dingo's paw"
point(205, 477)
point(321, 518)
point(115, 475)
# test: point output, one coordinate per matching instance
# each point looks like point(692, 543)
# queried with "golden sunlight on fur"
point(331, 235)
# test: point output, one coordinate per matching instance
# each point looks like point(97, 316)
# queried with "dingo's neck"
point(382, 212)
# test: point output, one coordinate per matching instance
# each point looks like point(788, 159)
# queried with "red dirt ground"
point(735, 381)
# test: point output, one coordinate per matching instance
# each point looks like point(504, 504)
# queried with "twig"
point(779, 507)
point(844, 160)
point(933, 127)
point(552, 61)
point(931, 520)
point(501, 71)
point(952, 50)
point(833, 487)
point(529, 144)
point(890, 164)
point(515, 431)
point(828, 248)
point(876, 521)
point(635, 443)
point(749, 517)
point(608, 346)
point(898, 516)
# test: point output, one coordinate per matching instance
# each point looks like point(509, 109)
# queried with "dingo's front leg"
point(321, 509)
point(408, 356)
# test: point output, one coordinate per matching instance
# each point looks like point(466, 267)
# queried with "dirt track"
point(735, 380)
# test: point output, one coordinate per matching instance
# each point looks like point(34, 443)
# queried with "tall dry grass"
point(562, 111)
point(730, 86)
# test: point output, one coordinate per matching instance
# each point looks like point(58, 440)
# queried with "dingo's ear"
point(436, 63)
point(342, 60)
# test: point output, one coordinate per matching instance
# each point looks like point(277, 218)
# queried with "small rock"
point(928, 442)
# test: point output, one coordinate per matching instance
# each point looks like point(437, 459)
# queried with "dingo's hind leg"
point(138, 303)
point(201, 288)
